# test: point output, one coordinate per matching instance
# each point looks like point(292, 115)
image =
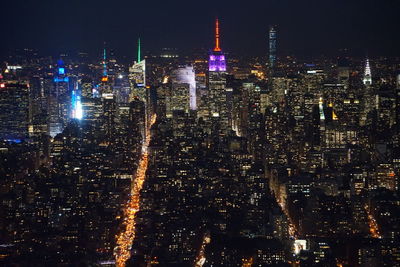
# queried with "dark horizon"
point(304, 28)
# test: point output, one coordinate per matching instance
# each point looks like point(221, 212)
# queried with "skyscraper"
point(137, 76)
point(105, 74)
point(14, 109)
point(217, 58)
point(272, 46)
point(109, 112)
point(183, 78)
point(217, 82)
point(59, 101)
point(343, 71)
point(367, 80)
point(105, 84)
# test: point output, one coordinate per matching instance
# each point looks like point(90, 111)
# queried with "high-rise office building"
point(59, 101)
point(87, 87)
point(137, 77)
point(217, 82)
point(38, 91)
point(179, 98)
point(272, 46)
point(92, 108)
point(14, 109)
point(109, 113)
point(343, 71)
point(105, 87)
point(184, 88)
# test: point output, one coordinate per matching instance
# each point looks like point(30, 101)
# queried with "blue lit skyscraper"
point(59, 101)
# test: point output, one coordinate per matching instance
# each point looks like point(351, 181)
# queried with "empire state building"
point(217, 84)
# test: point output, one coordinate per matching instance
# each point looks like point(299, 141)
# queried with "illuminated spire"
point(367, 80)
point(138, 51)
point(105, 74)
point(367, 69)
point(217, 48)
point(216, 61)
point(104, 61)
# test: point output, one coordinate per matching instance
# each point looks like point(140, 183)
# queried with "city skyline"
point(304, 29)
point(200, 158)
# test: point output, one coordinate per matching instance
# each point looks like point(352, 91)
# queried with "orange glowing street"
point(373, 225)
point(292, 228)
point(201, 257)
point(126, 237)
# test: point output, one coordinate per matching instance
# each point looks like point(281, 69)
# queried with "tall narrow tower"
point(367, 80)
point(138, 52)
point(139, 93)
point(137, 75)
point(59, 100)
point(217, 58)
point(217, 84)
point(272, 46)
point(105, 73)
point(105, 86)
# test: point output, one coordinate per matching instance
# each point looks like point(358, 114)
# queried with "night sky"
point(307, 27)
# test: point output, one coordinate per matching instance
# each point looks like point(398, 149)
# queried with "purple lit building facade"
point(217, 62)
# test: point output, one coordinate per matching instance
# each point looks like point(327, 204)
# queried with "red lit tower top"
point(216, 62)
point(217, 48)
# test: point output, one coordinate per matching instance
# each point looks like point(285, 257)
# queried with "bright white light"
point(120, 76)
point(186, 75)
point(299, 245)
point(78, 110)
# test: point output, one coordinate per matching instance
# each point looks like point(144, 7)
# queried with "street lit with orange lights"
point(127, 236)
point(292, 228)
point(373, 225)
point(201, 257)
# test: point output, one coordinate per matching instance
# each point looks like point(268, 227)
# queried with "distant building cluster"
point(209, 160)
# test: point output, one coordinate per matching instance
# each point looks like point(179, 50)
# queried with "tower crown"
point(367, 71)
point(216, 62)
point(367, 80)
